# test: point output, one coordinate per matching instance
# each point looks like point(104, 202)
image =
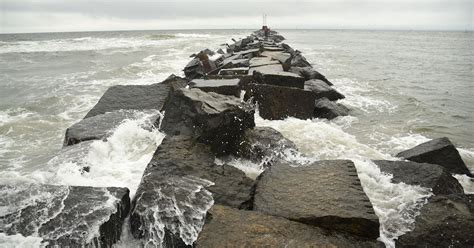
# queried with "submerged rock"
point(277, 103)
point(422, 174)
point(324, 108)
point(131, 97)
point(221, 86)
point(212, 118)
point(228, 227)
point(327, 194)
point(264, 143)
point(179, 185)
point(437, 151)
point(321, 89)
point(309, 73)
point(445, 221)
point(64, 216)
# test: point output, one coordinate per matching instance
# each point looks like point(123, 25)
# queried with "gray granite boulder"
point(99, 127)
point(321, 89)
point(265, 144)
point(277, 78)
point(309, 73)
point(283, 57)
point(324, 108)
point(179, 185)
point(221, 86)
point(212, 118)
point(229, 227)
point(422, 174)
point(131, 97)
point(437, 151)
point(326, 194)
point(64, 216)
point(445, 221)
point(277, 103)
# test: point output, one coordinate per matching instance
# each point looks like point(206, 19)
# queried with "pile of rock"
point(187, 198)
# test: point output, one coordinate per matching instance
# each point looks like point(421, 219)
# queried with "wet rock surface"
point(437, 151)
point(264, 143)
point(325, 108)
point(214, 119)
point(445, 221)
point(326, 194)
point(179, 185)
point(64, 216)
point(309, 73)
point(277, 103)
point(278, 78)
point(321, 89)
point(99, 127)
point(228, 227)
point(221, 86)
point(422, 174)
point(131, 97)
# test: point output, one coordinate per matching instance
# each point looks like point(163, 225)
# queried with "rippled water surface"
point(404, 88)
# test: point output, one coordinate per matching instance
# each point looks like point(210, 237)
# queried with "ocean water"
point(404, 88)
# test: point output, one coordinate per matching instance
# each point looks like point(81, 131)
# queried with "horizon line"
point(186, 29)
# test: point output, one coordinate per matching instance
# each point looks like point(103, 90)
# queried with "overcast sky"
point(17, 16)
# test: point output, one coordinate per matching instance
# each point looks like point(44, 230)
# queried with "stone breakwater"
point(190, 194)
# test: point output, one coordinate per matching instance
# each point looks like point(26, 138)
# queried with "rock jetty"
point(191, 196)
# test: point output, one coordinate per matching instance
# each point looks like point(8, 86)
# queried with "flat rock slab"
point(327, 194)
point(437, 151)
point(234, 71)
point(325, 108)
point(128, 97)
point(278, 103)
point(260, 61)
point(278, 78)
point(64, 216)
point(272, 48)
point(422, 174)
point(100, 126)
point(283, 57)
point(445, 221)
point(254, 52)
point(228, 227)
point(322, 89)
point(220, 86)
point(212, 118)
point(179, 185)
point(275, 68)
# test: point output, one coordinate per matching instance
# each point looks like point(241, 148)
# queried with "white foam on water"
point(19, 241)
point(180, 206)
point(396, 205)
point(251, 169)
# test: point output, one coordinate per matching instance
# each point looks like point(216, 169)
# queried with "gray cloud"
point(39, 14)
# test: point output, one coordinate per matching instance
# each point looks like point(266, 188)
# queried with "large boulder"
point(265, 144)
point(445, 221)
point(179, 185)
point(131, 97)
point(422, 174)
point(201, 64)
point(228, 227)
point(64, 216)
point(277, 103)
point(321, 89)
point(437, 151)
point(277, 78)
point(212, 118)
point(298, 60)
point(283, 57)
point(222, 86)
point(261, 61)
point(327, 194)
point(101, 126)
point(325, 108)
point(309, 73)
